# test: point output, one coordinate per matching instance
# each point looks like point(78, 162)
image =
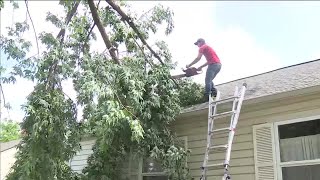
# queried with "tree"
point(128, 100)
point(9, 131)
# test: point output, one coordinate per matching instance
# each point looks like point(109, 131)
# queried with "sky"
point(249, 37)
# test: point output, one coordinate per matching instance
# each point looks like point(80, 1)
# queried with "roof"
point(9, 145)
point(281, 80)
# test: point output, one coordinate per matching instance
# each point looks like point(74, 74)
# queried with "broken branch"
point(103, 33)
point(127, 19)
point(68, 19)
point(60, 36)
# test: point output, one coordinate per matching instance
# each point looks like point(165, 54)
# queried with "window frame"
point(279, 164)
point(140, 174)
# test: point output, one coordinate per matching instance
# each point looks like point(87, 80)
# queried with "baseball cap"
point(199, 40)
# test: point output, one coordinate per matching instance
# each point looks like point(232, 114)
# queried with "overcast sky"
point(249, 37)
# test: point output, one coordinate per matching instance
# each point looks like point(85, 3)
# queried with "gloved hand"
point(199, 68)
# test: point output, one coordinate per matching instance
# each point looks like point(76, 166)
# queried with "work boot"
point(205, 98)
point(214, 93)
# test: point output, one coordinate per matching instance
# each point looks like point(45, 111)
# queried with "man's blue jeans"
point(212, 71)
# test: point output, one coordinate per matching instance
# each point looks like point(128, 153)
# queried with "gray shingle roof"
point(288, 78)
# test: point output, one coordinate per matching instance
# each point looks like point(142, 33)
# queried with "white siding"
point(79, 161)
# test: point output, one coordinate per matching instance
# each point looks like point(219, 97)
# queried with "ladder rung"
point(225, 100)
point(219, 165)
point(219, 147)
point(221, 129)
point(221, 115)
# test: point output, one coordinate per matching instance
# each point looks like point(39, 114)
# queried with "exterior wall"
point(242, 156)
point(7, 158)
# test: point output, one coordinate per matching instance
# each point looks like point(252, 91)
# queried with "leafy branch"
point(127, 19)
point(103, 33)
point(130, 22)
point(60, 36)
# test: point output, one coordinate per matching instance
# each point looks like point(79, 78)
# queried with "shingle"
point(289, 78)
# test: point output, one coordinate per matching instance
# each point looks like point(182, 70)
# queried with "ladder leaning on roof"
point(212, 116)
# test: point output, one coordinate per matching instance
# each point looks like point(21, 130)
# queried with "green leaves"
point(156, 16)
point(137, 130)
point(188, 87)
point(51, 136)
point(54, 20)
point(9, 131)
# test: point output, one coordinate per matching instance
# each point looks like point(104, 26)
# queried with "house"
point(277, 136)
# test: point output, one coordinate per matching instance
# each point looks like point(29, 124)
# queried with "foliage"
point(190, 93)
point(9, 131)
point(127, 106)
point(1, 4)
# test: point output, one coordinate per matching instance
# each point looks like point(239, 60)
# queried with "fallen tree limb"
point(70, 14)
point(127, 19)
point(60, 36)
point(102, 31)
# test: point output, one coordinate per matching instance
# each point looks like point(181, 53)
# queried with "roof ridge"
point(298, 64)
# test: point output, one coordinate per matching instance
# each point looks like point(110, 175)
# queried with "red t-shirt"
point(210, 54)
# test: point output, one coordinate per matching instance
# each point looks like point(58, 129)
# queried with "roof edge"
point(9, 145)
point(258, 99)
point(306, 62)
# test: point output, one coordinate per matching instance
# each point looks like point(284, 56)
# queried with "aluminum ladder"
point(237, 99)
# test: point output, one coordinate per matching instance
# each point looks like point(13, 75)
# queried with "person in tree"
point(213, 63)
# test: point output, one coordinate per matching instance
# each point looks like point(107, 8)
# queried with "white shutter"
point(264, 152)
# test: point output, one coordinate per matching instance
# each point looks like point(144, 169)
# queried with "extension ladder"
point(212, 116)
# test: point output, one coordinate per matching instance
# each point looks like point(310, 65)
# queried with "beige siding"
point(242, 156)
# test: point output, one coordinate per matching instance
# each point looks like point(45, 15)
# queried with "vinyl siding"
point(79, 161)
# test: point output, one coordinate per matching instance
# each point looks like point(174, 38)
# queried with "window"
point(298, 147)
point(148, 168)
point(151, 170)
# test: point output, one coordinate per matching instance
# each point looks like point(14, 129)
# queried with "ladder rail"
point(210, 127)
point(212, 116)
point(233, 125)
point(235, 106)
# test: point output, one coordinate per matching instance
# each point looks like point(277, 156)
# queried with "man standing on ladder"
point(213, 63)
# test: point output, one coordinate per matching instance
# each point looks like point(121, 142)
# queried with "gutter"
point(258, 99)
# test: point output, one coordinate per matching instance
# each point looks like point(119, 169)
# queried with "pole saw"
point(192, 71)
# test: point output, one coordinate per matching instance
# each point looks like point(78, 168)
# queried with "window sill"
point(300, 163)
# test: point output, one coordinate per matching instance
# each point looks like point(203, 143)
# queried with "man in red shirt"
point(213, 63)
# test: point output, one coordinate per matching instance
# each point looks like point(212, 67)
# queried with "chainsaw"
point(192, 71)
